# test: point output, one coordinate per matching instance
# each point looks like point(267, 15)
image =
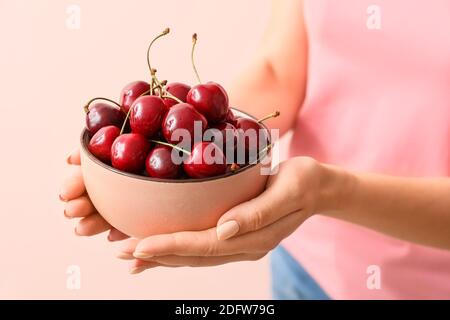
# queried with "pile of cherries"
point(139, 134)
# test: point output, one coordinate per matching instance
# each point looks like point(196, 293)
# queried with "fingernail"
point(227, 230)
point(142, 255)
point(65, 215)
point(137, 270)
point(125, 256)
point(76, 232)
point(61, 198)
point(69, 158)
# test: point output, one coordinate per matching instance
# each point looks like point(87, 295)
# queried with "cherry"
point(129, 151)
point(101, 142)
point(181, 116)
point(101, 115)
point(147, 113)
point(209, 99)
point(131, 92)
point(250, 129)
point(230, 118)
point(247, 125)
point(229, 136)
point(205, 160)
point(177, 89)
point(159, 163)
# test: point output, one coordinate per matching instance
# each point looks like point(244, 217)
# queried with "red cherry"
point(229, 135)
point(205, 160)
point(101, 115)
point(230, 118)
point(211, 100)
point(129, 151)
point(131, 92)
point(159, 164)
point(147, 113)
point(246, 125)
point(182, 116)
point(100, 144)
point(177, 89)
point(251, 133)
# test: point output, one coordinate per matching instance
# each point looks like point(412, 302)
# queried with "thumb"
point(254, 214)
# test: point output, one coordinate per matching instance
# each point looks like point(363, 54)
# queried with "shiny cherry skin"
point(245, 124)
point(211, 100)
point(201, 162)
point(147, 113)
point(229, 135)
point(129, 151)
point(179, 90)
point(182, 116)
point(131, 92)
point(230, 118)
point(101, 115)
point(102, 141)
point(159, 163)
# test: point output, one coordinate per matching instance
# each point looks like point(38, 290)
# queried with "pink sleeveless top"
point(378, 100)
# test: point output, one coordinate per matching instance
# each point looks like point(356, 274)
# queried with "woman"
point(366, 89)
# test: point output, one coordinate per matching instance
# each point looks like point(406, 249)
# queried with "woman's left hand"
point(246, 232)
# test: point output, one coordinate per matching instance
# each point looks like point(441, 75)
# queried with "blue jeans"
point(290, 281)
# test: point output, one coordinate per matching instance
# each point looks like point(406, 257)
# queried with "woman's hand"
point(246, 232)
point(78, 204)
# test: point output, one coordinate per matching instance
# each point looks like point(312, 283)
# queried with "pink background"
point(47, 72)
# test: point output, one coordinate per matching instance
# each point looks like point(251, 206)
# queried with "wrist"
point(335, 188)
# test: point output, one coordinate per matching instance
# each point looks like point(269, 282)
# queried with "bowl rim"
point(84, 141)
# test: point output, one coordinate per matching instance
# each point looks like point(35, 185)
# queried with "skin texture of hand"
point(78, 204)
point(257, 226)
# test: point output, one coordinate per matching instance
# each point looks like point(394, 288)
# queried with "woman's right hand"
point(78, 204)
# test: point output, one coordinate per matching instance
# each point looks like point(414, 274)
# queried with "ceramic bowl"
point(142, 206)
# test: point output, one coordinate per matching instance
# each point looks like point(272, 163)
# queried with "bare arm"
point(412, 209)
point(276, 77)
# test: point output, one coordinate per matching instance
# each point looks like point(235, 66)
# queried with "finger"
point(73, 186)
point(199, 261)
point(137, 266)
point(74, 157)
point(255, 214)
point(205, 243)
point(116, 235)
point(91, 225)
point(79, 207)
point(188, 243)
point(127, 248)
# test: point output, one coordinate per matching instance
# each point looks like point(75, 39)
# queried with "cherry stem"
point(171, 145)
point(194, 42)
point(144, 93)
point(171, 96)
point(166, 31)
point(86, 107)
point(234, 167)
point(269, 116)
point(166, 94)
point(125, 121)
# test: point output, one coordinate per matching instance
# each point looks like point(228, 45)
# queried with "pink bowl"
point(141, 206)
